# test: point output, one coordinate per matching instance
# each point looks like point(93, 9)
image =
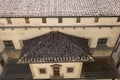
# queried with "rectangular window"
point(78, 20)
point(59, 20)
point(44, 20)
point(27, 20)
point(102, 41)
point(9, 20)
point(69, 70)
point(96, 19)
point(43, 71)
point(8, 44)
point(118, 20)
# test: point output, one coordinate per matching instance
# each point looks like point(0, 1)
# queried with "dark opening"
point(2, 62)
point(118, 64)
point(9, 20)
point(96, 19)
point(8, 44)
point(44, 20)
point(118, 20)
point(42, 71)
point(23, 42)
point(70, 70)
point(60, 20)
point(102, 41)
point(27, 20)
point(78, 20)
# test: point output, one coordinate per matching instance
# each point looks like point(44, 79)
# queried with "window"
point(102, 41)
point(27, 20)
point(8, 43)
point(69, 70)
point(42, 71)
point(59, 20)
point(78, 20)
point(9, 21)
point(96, 19)
point(118, 20)
point(44, 20)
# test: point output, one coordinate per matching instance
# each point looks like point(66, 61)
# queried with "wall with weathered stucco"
point(63, 70)
point(66, 21)
point(93, 34)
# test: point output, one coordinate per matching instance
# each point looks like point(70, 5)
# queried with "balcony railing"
point(57, 77)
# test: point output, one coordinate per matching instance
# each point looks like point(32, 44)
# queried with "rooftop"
point(52, 8)
point(55, 47)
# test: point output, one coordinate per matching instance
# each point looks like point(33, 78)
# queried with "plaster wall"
point(85, 21)
point(77, 67)
point(93, 34)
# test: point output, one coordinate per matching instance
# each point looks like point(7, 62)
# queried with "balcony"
point(61, 76)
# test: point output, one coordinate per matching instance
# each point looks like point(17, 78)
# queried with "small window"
point(27, 20)
point(118, 20)
point(78, 20)
point(42, 71)
point(8, 43)
point(102, 41)
point(59, 20)
point(44, 20)
point(96, 19)
point(70, 70)
point(9, 21)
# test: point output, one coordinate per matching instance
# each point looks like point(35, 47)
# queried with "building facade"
point(93, 20)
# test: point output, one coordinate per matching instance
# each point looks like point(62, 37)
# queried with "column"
point(17, 44)
point(93, 42)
